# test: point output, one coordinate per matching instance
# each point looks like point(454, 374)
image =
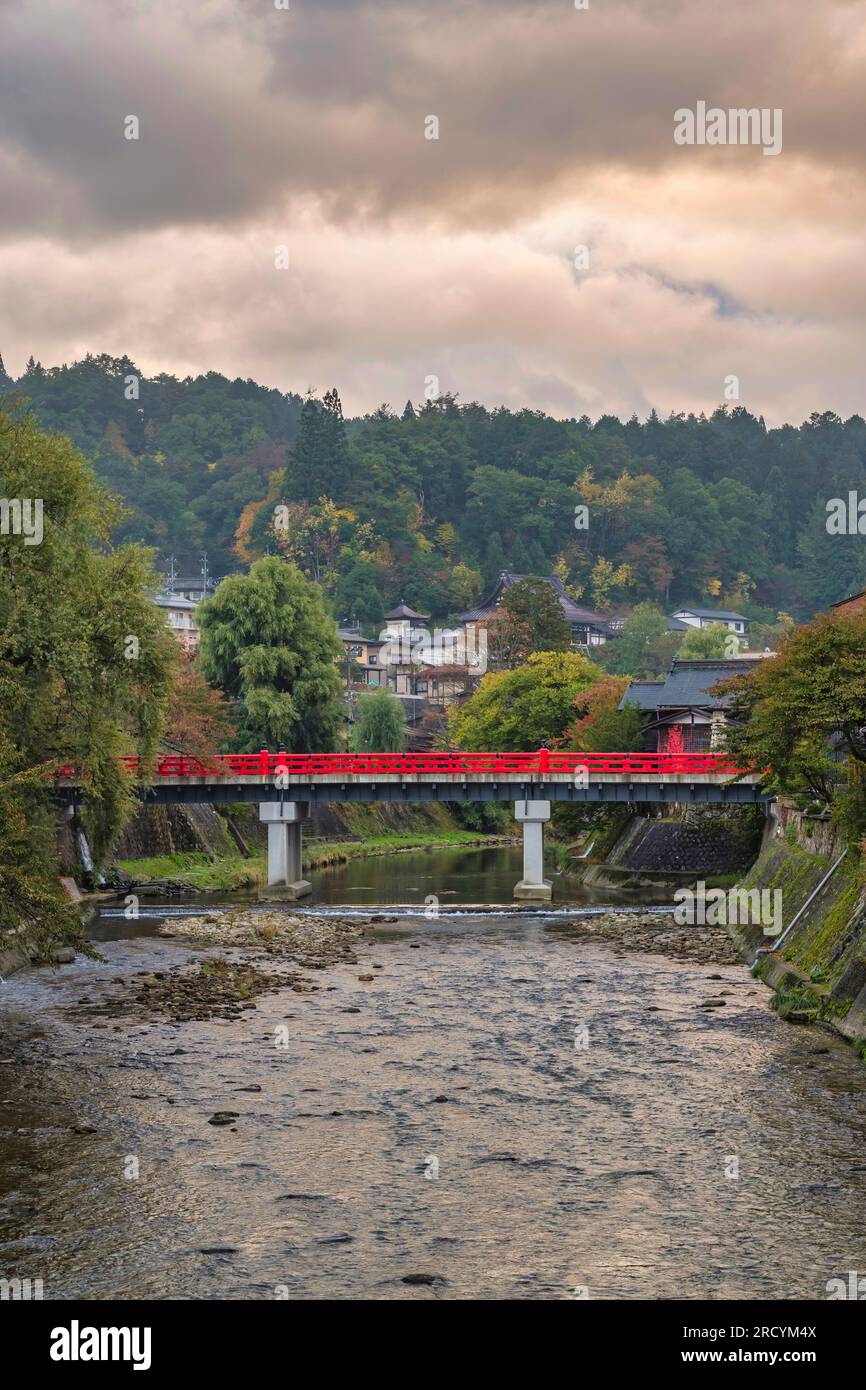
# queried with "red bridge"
point(286, 784)
point(176, 768)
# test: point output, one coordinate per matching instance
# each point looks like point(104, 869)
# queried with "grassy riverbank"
point(226, 872)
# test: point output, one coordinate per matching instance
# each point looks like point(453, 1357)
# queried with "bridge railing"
point(465, 765)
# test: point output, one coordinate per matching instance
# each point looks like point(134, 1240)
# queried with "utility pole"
point(204, 573)
point(354, 650)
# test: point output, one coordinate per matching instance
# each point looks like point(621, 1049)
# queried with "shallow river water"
point(507, 1107)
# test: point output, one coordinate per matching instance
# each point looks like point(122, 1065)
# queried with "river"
point(508, 1110)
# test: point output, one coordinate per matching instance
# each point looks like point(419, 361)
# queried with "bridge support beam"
point(284, 820)
point(533, 886)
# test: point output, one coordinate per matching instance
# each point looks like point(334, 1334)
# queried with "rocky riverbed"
point(315, 942)
point(504, 1105)
point(251, 952)
point(658, 934)
point(263, 947)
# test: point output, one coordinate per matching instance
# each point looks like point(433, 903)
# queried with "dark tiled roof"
point(349, 635)
point(688, 685)
point(404, 611)
point(644, 694)
point(572, 611)
point(842, 601)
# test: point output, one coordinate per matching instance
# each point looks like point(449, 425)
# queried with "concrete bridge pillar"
point(284, 820)
point(532, 815)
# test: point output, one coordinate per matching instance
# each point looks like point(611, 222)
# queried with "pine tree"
point(320, 461)
point(494, 562)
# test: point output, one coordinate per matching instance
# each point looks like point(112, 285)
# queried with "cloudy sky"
point(453, 257)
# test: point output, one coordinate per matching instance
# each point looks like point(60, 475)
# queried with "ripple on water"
point(546, 1167)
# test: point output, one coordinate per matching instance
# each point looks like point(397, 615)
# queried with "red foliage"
point(674, 742)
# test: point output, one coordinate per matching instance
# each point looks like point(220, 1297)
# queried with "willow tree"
point(85, 660)
point(380, 726)
point(269, 642)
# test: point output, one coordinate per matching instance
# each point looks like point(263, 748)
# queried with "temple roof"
point(572, 611)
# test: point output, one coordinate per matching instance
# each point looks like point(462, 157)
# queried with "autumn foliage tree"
point(792, 709)
point(198, 720)
point(529, 619)
point(600, 725)
point(515, 711)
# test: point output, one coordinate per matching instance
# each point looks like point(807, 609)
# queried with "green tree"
point(320, 461)
point(268, 641)
point(464, 587)
point(704, 643)
point(85, 664)
point(380, 726)
point(792, 707)
point(358, 597)
point(515, 711)
point(530, 619)
point(632, 653)
point(601, 726)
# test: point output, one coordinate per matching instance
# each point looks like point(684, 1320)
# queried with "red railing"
point(465, 765)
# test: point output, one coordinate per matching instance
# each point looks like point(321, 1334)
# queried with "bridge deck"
point(543, 775)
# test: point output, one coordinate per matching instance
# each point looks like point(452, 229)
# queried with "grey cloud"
point(242, 106)
point(410, 257)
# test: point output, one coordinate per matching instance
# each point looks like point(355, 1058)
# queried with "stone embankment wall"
point(819, 972)
point(160, 830)
point(700, 842)
point(694, 843)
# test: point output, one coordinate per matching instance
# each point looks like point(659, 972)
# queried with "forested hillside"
point(430, 502)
